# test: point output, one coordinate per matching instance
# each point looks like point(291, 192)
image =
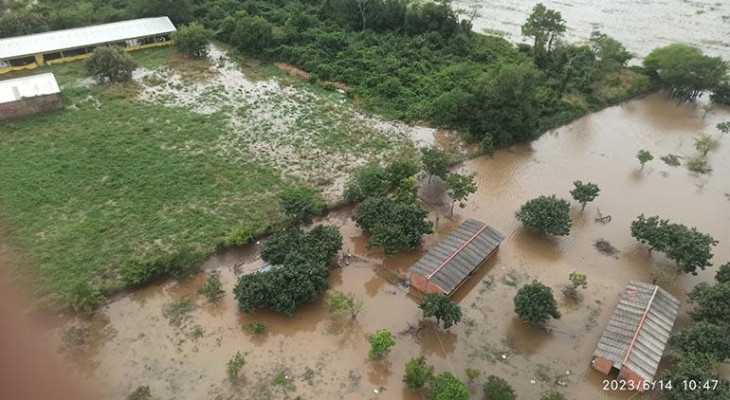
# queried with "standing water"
point(640, 25)
point(130, 342)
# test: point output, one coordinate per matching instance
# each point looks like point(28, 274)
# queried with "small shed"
point(29, 95)
point(448, 265)
point(637, 333)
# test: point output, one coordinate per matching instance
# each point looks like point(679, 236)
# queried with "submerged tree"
point(576, 281)
point(435, 162)
point(460, 187)
point(497, 388)
point(394, 226)
point(704, 143)
point(547, 215)
point(441, 307)
point(644, 157)
point(447, 387)
point(685, 70)
point(704, 338)
point(340, 303)
point(535, 304)
point(584, 193)
point(712, 303)
point(417, 373)
point(380, 343)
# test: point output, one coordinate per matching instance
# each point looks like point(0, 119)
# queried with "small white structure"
point(29, 95)
point(30, 51)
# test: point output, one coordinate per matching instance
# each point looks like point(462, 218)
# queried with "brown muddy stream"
point(311, 355)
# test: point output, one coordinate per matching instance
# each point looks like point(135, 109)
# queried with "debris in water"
point(533, 381)
point(600, 218)
point(605, 247)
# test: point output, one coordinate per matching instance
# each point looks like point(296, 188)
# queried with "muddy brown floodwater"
point(130, 343)
point(640, 25)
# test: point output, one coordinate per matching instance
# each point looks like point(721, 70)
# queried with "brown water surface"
point(314, 356)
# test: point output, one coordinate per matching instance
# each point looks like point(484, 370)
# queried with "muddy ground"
point(311, 355)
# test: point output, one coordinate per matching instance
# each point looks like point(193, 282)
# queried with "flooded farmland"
point(705, 24)
point(130, 342)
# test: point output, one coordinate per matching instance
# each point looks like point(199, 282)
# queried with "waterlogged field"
point(172, 163)
point(640, 25)
point(136, 340)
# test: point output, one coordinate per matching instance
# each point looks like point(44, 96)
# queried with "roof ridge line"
point(471, 239)
point(640, 326)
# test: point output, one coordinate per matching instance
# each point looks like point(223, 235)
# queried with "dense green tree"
point(110, 64)
point(399, 170)
point(417, 373)
point(435, 162)
point(21, 22)
point(535, 304)
point(504, 105)
point(610, 53)
point(712, 303)
point(644, 156)
point(253, 35)
point(460, 187)
point(193, 39)
point(497, 388)
point(721, 94)
point(724, 127)
point(394, 226)
point(685, 70)
point(440, 306)
point(300, 274)
point(651, 231)
point(699, 369)
point(365, 182)
point(380, 343)
point(584, 193)
point(301, 203)
point(544, 26)
point(179, 11)
point(547, 215)
point(723, 273)
point(704, 338)
point(447, 387)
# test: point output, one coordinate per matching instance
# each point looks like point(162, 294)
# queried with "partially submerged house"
point(637, 333)
point(448, 265)
point(31, 51)
point(29, 95)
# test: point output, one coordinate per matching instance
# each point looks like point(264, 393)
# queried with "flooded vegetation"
point(131, 342)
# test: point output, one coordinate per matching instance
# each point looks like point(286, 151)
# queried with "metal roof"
point(449, 263)
point(639, 329)
point(47, 42)
point(28, 86)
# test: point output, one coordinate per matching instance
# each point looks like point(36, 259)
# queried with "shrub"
point(535, 304)
point(141, 393)
point(368, 181)
point(644, 156)
point(380, 343)
point(212, 288)
point(547, 215)
point(685, 70)
point(418, 372)
point(497, 388)
point(234, 366)
point(253, 35)
point(239, 235)
point(340, 303)
point(301, 203)
point(193, 39)
point(257, 327)
point(85, 298)
point(447, 387)
point(110, 63)
point(723, 273)
point(473, 374)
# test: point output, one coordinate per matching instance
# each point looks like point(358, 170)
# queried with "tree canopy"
point(435, 162)
point(535, 304)
point(380, 343)
point(547, 215)
point(460, 187)
point(299, 276)
point(712, 303)
point(497, 388)
point(393, 225)
point(110, 64)
point(193, 39)
point(301, 203)
point(704, 338)
point(448, 387)
point(685, 70)
point(584, 193)
point(644, 156)
point(544, 26)
point(700, 369)
point(417, 373)
point(440, 306)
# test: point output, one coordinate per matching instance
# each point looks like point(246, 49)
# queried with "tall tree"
point(685, 70)
point(394, 226)
point(644, 157)
point(547, 215)
point(544, 26)
point(441, 307)
point(460, 187)
point(584, 193)
point(435, 162)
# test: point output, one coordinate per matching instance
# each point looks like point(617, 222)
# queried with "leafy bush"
point(447, 387)
point(193, 39)
point(723, 273)
point(301, 203)
point(418, 372)
point(535, 304)
point(340, 303)
point(369, 181)
point(212, 288)
point(700, 369)
point(547, 215)
point(380, 343)
point(257, 327)
point(110, 64)
point(497, 388)
point(685, 70)
point(441, 307)
point(721, 94)
point(253, 35)
point(712, 303)
point(239, 235)
point(234, 365)
point(392, 225)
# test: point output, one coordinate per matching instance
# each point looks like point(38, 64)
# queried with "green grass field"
point(115, 183)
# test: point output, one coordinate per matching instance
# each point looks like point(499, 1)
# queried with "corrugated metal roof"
point(449, 263)
point(639, 329)
point(47, 42)
point(27, 86)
